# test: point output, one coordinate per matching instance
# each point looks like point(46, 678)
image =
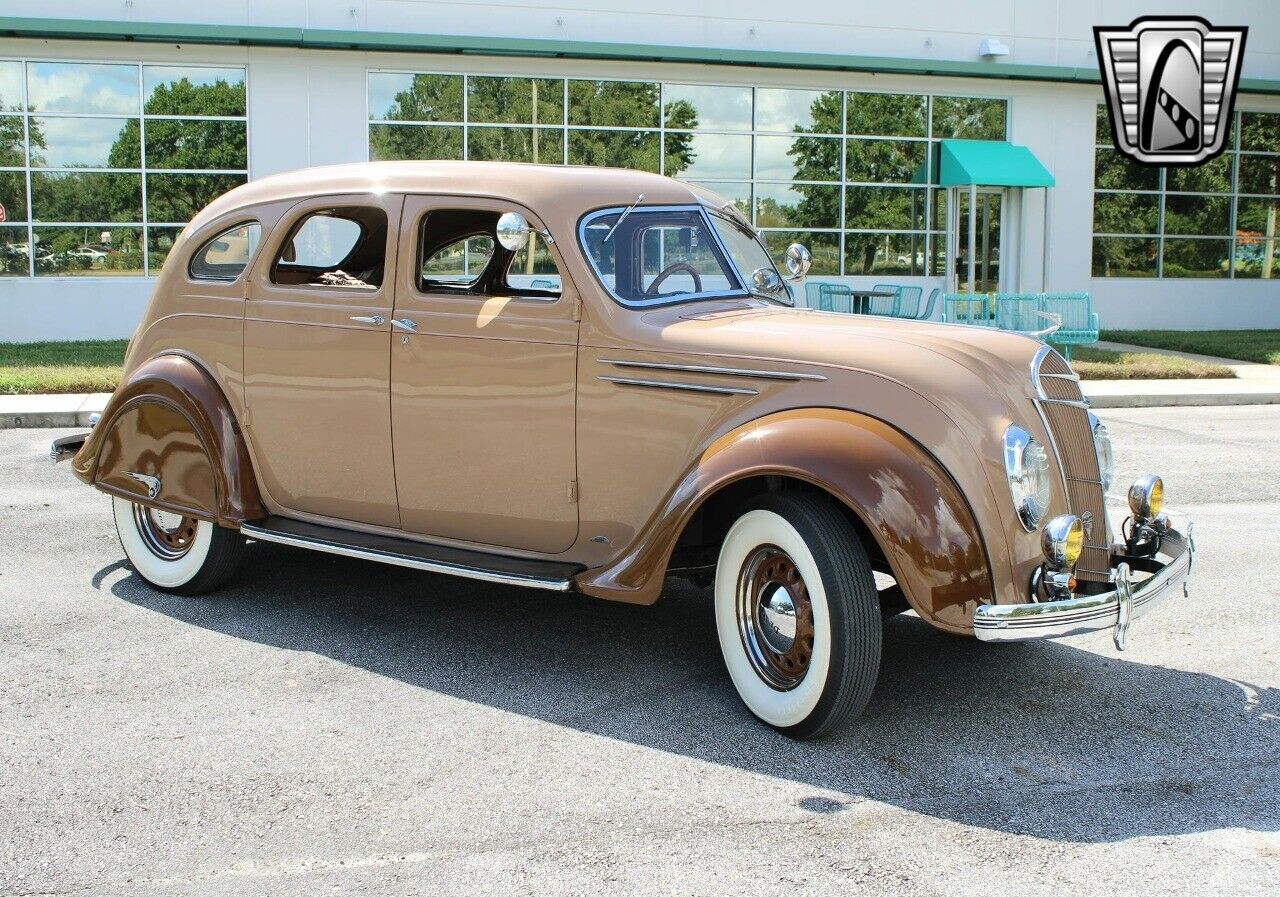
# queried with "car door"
point(316, 360)
point(483, 369)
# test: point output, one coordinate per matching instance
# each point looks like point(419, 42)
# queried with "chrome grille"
point(1066, 415)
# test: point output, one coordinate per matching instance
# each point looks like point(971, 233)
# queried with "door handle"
point(404, 324)
point(376, 320)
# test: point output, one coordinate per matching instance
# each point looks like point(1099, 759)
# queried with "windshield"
point(749, 256)
point(655, 256)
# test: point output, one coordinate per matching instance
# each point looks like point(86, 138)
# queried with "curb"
point(1183, 400)
point(36, 420)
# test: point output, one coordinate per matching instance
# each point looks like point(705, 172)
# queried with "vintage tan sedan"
point(587, 380)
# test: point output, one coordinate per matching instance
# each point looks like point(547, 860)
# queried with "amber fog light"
point(1146, 497)
point(1062, 541)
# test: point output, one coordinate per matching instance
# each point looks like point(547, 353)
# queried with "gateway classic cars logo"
point(1171, 85)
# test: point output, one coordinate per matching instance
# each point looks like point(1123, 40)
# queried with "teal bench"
point(1079, 320)
point(975, 309)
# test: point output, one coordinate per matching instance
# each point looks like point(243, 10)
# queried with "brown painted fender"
point(906, 500)
point(170, 422)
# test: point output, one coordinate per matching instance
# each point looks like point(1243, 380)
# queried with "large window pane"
point(888, 114)
point(708, 107)
point(1124, 257)
point(542, 145)
point(87, 196)
point(1114, 171)
point(177, 197)
point(13, 251)
point(178, 143)
point(798, 158)
point(886, 161)
point(885, 208)
point(414, 142)
point(824, 247)
point(1255, 217)
point(637, 150)
point(1195, 258)
point(875, 254)
point(738, 193)
point(86, 142)
point(709, 155)
point(10, 86)
point(1211, 177)
point(13, 195)
point(521, 101)
point(12, 146)
point(797, 205)
point(160, 241)
point(1260, 174)
point(193, 90)
point(82, 87)
point(1257, 249)
point(969, 118)
point(404, 97)
point(812, 111)
point(613, 104)
point(86, 250)
point(1102, 135)
point(1260, 131)
point(1126, 213)
point(1197, 215)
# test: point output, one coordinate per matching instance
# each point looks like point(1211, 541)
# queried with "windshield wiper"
point(625, 213)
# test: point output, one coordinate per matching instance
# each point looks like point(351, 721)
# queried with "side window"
point(339, 247)
point(459, 264)
point(227, 255)
point(534, 268)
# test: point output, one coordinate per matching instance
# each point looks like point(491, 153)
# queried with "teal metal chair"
point(975, 309)
point(1079, 320)
point(927, 314)
point(1019, 312)
point(884, 305)
point(909, 302)
point(835, 297)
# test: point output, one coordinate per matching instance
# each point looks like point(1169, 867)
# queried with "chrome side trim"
point(1072, 402)
point(688, 387)
point(1088, 613)
point(709, 369)
point(1075, 377)
point(402, 560)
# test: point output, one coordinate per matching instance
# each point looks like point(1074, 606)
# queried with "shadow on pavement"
point(1039, 738)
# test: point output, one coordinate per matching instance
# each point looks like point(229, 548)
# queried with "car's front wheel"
point(797, 614)
point(175, 553)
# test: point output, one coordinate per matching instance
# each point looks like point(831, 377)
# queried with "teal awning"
point(990, 163)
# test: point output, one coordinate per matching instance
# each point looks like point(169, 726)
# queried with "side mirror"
point(799, 260)
point(766, 280)
point(512, 231)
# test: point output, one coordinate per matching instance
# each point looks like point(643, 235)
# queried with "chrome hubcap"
point(775, 617)
point(167, 535)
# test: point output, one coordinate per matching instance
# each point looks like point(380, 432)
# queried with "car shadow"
point(1039, 738)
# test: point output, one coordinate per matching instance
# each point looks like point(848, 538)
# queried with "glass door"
point(985, 222)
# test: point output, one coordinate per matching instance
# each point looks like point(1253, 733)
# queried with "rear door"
point(483, 370)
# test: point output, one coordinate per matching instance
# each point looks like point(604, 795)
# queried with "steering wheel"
point(652, 291)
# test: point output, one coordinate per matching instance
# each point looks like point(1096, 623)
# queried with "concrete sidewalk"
point(50, 410)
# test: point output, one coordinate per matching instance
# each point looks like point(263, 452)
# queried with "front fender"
point(169, 422)
point(907, 501)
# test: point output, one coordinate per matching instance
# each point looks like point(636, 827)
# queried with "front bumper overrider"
point(1169, 567)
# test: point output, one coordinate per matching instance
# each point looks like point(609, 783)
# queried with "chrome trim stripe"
point(708, 369)
point(402, 560)
point(1075, 377)
point(1088, 613)
point(1072, 402)
point(688, 387)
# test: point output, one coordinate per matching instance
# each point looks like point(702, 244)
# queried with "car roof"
point(551, 191)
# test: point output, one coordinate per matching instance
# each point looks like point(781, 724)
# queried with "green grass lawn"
point(85, 366)
point(1102, 364)
point(1262, 346)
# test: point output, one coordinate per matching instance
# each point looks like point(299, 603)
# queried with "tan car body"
point(248, 398)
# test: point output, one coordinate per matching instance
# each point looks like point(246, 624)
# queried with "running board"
point(532, 574)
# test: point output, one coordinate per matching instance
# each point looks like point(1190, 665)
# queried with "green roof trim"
point(990, 163)
point(321, 38)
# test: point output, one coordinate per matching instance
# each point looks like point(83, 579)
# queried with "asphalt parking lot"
point(332, 726)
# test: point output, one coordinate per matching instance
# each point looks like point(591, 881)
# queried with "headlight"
point(1106, 457)
point(1062, 541)
point(1027, 465)
point(1146, 497)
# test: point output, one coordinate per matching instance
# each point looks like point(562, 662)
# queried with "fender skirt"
point(168, 439)
point(906, 500)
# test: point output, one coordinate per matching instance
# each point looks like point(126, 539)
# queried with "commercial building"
point(826, 126)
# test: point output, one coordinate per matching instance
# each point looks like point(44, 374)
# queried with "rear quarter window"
point(227, 255)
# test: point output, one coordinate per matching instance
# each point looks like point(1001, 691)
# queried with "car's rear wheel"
point(798, 615)
point(176, 553)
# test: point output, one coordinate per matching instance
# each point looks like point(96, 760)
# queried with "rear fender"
point(169, 439)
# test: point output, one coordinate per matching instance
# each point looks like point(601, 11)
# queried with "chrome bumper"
point(1116, 609)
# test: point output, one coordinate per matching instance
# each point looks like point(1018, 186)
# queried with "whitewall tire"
point(176, 553)
point(797, 614)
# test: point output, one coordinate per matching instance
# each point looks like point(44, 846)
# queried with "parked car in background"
point(576, 379)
